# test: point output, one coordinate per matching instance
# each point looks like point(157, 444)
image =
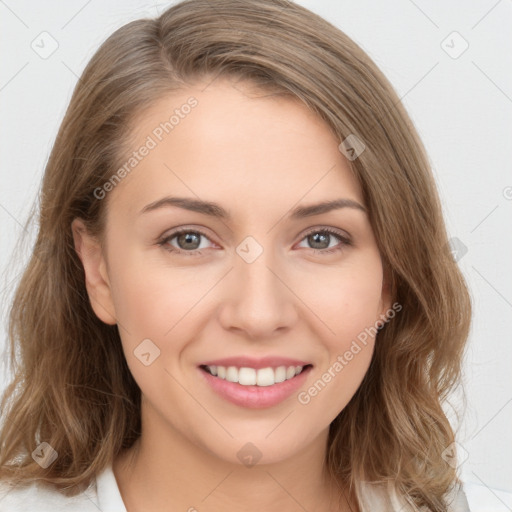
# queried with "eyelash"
point(163, 242)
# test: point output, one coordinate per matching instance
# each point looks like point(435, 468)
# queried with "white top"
point(103, 495)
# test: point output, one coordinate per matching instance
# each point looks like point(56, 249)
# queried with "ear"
point(91, 255)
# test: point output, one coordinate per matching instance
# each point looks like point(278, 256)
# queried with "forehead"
point(229, 143)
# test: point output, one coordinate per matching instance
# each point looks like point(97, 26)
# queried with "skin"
point(258, 157)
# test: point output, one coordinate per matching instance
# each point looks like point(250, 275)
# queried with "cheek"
point(151, 303)
point(349, 306)
point(346, 298)
point(156, 306)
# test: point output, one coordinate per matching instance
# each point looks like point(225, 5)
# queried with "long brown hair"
point(72, 387)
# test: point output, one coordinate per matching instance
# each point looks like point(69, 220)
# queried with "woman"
point(241, 294)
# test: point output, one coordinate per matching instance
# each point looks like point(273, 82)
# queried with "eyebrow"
point(215, 210)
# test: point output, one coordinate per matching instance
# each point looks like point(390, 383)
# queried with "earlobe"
point(91, 255)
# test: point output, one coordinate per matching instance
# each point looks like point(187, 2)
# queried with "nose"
point(258, 301)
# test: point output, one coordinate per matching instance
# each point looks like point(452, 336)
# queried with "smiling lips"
point(255, 383)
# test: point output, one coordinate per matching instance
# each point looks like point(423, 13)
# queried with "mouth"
point(260, 377)
point(255, 388)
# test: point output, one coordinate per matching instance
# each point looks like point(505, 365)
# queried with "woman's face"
point(258, 278)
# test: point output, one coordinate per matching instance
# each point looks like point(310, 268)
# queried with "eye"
point(320, 240)
point(188, 241)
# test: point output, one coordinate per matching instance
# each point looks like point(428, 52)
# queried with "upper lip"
point(251, 362)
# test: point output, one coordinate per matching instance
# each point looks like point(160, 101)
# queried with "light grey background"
point(460, 104)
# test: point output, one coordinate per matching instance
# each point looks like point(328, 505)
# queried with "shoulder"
point(40, 497)
point(383, 498)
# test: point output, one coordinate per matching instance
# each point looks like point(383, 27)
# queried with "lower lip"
point(255, 397)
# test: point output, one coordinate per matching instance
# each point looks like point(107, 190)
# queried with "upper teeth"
point(251, 376)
